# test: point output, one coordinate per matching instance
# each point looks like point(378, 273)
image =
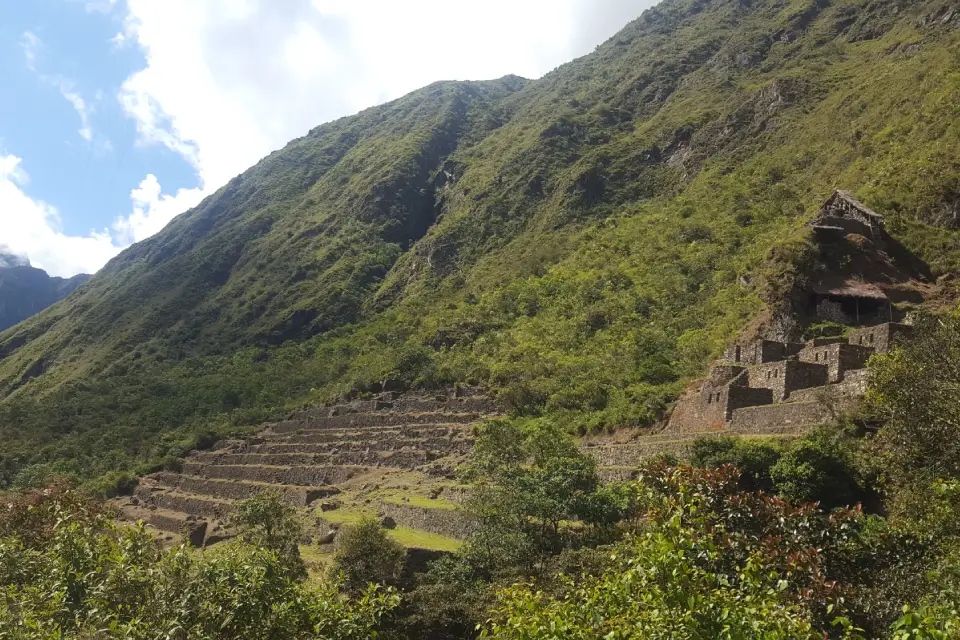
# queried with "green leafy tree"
point(267, 521)
point(366, 555)
point(818, 469)
point(534, 491)
point(706, 566)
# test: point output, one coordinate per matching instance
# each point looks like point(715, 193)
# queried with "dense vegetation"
point(581, 243)
point(682, 552)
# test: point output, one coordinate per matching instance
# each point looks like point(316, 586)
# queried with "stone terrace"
point(326, 457)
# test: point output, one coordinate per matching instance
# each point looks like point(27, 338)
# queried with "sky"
point(118, 115)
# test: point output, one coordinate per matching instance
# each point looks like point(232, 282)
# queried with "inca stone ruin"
point(392, 457)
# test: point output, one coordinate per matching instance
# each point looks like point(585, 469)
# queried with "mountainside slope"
point(582, 243)
point(25, 290)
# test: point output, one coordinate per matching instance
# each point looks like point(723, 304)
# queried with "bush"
point(754, 459)
point(113, 484)
point(817, 470)
point(68, 571)
point(366, 555)
point(266, 521)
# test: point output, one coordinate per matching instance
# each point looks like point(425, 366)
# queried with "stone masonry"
point(317, 455)
point(782, 388)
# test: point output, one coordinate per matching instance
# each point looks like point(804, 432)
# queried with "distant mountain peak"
point(10, 259)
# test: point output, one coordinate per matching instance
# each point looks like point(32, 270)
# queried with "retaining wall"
point(788, 418)
point(445, 522)
point(240, 490)
point(300, 475)
point(184, 503)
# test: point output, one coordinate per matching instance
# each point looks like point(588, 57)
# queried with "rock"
point(435, 493)
point(135, 502)
point(330, 505)
point(388, 523)
point(328, 537)
point(391, 385)
point(191, 518)
point(195, 533)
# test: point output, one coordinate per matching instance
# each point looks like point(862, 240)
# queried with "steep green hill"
point(582, 243)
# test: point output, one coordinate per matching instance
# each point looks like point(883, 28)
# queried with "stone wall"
point(786, 376)
point(240, 490)
point(698, 410)
point(838, 357)
point(304, 475)
point(788, 418)
point(738, 397)
point(451, 523)
point(881, 337)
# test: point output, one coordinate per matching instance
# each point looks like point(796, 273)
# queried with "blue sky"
point(74, 52)
point(118, 115)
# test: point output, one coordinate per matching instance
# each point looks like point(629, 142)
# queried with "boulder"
point(328, 538)
point(388, 523)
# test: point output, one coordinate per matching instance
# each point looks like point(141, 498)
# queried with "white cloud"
point(32, 228)
point(152, 210)
point(31, 45)
point(70, 94)
point(227, 81)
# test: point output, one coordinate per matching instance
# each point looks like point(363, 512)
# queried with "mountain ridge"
point(578, 243)
point(26, 290)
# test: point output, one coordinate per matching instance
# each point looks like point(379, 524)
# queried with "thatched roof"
point(848, 200)
point(850, 289)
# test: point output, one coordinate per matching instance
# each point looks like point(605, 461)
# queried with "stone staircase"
point(316, 454)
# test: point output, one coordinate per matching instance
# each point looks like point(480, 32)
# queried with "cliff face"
point(582, 244)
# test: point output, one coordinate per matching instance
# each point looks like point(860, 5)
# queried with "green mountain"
point(25, 291)
point(582, 243)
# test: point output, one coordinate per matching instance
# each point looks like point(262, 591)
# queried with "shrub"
point(817, 470)
point(366, 555)
point(265, 520)
point(753, 458)
point(68, 571)
point(113, 484)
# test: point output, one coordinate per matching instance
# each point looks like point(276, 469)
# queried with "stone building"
point(769, 387)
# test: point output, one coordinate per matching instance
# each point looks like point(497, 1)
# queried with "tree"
point(711, 563)
point(366, 555)
point(535, 492)
point(913, 391)
point(67, 570)
point(265, 520)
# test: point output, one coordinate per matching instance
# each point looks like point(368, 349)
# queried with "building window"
point(871, 338)
point(816, 357)
point(861, 340)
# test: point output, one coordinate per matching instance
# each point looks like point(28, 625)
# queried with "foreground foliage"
point(68, 571)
